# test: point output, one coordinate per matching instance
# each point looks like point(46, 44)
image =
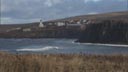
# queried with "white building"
point(84, 21)
point(78, 22)
point(60, 24)
point(27, 30)
point(41, 25)
point(14, 29)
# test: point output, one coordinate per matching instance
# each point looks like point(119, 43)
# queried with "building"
point(27, 30)
point(41, 25)
point(60, 24)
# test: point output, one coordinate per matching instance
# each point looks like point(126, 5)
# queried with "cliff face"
point(55, 32)
point(107, 31)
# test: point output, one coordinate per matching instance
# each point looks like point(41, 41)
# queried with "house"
point(41, 25)
point(60, 24)
point(26, 30)
point(14, 29)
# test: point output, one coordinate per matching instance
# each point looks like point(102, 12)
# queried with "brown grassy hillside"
point(63, 63)
point(105, 16)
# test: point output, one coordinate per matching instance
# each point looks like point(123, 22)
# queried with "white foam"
point(114, 45)
point(100, 44)
point(38, 49)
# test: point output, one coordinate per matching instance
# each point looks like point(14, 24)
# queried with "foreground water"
point(53, 46)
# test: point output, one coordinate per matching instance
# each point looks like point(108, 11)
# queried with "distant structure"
point(41, 25)
point(27, 30)
point(60, 24)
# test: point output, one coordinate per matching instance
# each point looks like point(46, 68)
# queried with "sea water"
point(57, 46)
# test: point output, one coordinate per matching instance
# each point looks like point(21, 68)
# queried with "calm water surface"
point(53, 46)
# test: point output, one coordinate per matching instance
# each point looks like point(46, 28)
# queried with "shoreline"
point(107, 44)
point(103, 44)
point(75, 41)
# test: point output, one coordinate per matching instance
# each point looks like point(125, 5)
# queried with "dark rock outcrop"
point(52, 32)
point(106, 31)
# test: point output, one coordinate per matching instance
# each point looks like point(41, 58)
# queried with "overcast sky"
point(25, 11)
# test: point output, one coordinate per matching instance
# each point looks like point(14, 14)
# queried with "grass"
point(62, 63)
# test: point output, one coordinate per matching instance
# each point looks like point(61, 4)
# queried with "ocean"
point(59, 46)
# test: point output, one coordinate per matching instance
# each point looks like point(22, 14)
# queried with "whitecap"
point(113, 45)
point(38, 49)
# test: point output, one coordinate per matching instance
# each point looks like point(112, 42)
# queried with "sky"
point(27, 11)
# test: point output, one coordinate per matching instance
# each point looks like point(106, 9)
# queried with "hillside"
point(53, 31)
point(62, 63)
point(113, 15)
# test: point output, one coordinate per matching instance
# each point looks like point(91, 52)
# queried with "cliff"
point(105, 31)
point(36, 32)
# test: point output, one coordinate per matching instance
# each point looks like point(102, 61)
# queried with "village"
point(78, 24)
point(50, 29)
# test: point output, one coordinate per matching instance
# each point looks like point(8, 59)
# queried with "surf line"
point(101, 44)
point(114, 45)
point(38, 49)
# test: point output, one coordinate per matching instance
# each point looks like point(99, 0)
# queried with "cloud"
point(14, 11)
point(92, 1)
point(100, 0)
point(92, 13)
point(8, 20)
point(49, 3)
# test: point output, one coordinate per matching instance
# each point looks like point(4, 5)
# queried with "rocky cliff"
point(36, 32)
point(105, 31)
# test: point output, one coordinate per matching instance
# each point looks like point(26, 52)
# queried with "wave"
point(114, 45)
point(38, 49)
point(100, 44)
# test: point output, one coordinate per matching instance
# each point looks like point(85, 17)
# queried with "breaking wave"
point(113, 45)
point(38, 49)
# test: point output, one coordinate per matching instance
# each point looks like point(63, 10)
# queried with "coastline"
point(103, 44)
point(106, 44)
point(75, 41)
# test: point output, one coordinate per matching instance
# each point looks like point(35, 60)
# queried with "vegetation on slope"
point(63, 63)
